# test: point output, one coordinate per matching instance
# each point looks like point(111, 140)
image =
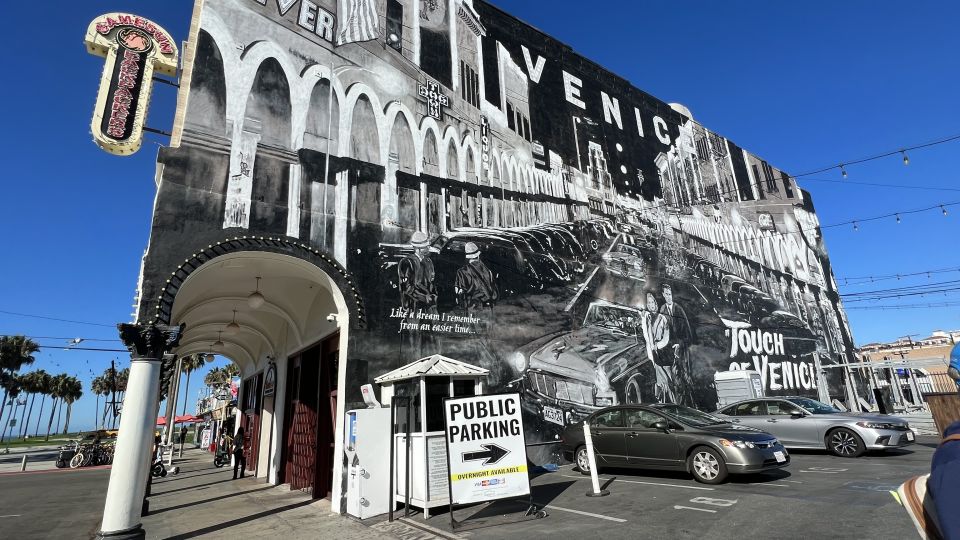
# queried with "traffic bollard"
point(588, 439)
point(23, 463)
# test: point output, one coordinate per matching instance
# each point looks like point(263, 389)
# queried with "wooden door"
point(301, 424)
point(327, 415)
point(252, 409)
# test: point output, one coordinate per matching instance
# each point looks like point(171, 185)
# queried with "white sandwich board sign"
point(485, 448)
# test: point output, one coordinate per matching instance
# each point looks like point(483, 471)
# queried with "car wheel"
point(843, 442)
point(582, 459)
point(707, 466)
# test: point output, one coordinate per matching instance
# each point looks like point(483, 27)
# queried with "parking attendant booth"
point(426, 383)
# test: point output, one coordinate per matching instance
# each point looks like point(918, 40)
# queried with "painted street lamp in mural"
point(134, 48)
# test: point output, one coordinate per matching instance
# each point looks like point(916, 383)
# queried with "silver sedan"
point(801, 422)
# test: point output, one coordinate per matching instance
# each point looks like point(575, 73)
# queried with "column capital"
point(150, 341)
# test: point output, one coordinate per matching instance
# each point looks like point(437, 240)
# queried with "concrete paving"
point(817, 496)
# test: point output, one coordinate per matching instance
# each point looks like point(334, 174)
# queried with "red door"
point(310, 419)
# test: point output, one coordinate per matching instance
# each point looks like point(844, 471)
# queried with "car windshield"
point(690, 416)
point(813, 405)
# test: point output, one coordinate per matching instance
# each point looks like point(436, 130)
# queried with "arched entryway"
point(298, 329)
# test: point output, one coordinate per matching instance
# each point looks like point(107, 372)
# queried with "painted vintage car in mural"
point(568, 375)
point(626, 261)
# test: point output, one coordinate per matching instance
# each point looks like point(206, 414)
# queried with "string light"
point(906, 160)
point(855, 226)
point(843, 171)
point(898, 218)
point(942, 209)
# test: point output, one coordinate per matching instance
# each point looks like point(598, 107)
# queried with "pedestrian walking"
point(183, 435)
point(239, 461)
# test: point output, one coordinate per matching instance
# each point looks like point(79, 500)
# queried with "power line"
point(56, 319)
point(63, 338)
point(859, 280)
point(905, 306)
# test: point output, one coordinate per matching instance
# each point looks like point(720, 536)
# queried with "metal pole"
point(23, 463)
point(588, 439)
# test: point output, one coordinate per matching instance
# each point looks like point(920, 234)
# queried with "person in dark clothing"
point(418, 292)
point(183, 434)
point(475, 285)
point(416, 273)
point(239, 460)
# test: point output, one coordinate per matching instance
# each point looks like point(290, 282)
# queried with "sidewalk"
point(204, 502)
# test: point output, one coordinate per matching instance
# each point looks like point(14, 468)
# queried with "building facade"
point(363, 183)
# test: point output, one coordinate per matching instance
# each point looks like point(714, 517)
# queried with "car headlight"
point(519, 361)
point(737, 443)
point(877, 425)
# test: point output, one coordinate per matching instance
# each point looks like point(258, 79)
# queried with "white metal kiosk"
point(426, 383)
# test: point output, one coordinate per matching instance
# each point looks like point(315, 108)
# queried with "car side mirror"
point(797, 414)
point(662, 426)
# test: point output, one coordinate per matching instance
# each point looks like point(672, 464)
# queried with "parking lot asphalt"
point(817, 496)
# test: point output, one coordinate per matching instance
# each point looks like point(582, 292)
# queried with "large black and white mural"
point(500, 200)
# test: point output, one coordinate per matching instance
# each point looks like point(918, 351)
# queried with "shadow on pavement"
point(212, 499)
point(233, 522)
point(186, 488)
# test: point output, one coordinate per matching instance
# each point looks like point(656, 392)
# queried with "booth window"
point(464, 388)
point(437, 389)
point(409, 389)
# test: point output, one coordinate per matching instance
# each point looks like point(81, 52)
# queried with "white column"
point(128, 478)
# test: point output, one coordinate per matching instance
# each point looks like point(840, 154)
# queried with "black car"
point(665, 436)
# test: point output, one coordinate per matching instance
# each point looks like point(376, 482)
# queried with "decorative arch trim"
point(162, 307)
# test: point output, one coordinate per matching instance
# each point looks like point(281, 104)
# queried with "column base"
point(133, 533)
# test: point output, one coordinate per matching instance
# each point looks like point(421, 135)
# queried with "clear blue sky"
point(804, 85)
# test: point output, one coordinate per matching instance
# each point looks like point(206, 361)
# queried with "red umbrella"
point(186, 418)
point(161, 420)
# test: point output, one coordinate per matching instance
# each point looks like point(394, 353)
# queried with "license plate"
point(780, 457)
point(551, 414)
point(910, 436)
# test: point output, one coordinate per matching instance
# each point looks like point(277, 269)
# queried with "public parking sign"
point(485, 448)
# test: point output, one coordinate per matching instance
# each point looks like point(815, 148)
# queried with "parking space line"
point(766, 484)
point(10, 515)
point(678, 507)
point(645, 483)
point(582, 513)
point(821, 472)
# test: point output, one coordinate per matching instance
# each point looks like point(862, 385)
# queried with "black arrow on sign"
point(492, 454)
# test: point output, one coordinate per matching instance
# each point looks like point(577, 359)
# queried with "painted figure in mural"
point(656, 335)
point(476, 286)
point(417, 289)
point(418, 292)
point(681, 337)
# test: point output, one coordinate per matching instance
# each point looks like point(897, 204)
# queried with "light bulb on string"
point(943, 209)
point(256, 298)
point(906, 159)
point(855, 226)
point(898, 218)
point(843, 171)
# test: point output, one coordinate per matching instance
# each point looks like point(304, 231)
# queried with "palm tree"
point(57, 390)
point(45, 385)
point(34, 386)
point(13, 390)
point(98, 388)
point(188, 365)
point(15, 352)
point(73, 392)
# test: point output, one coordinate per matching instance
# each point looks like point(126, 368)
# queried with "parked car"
point(802, 422)
point(665, 436)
